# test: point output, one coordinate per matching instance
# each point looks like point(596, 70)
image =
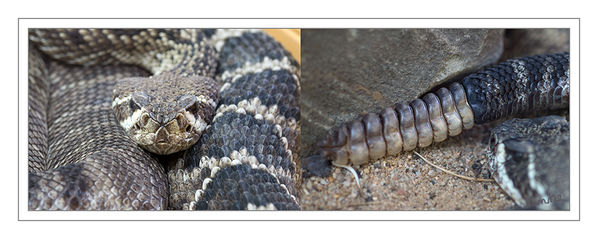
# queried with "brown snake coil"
point(402, 128)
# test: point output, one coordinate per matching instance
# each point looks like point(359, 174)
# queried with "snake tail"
point(516, 87)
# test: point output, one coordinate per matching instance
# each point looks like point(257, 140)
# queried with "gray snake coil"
point(81, 159)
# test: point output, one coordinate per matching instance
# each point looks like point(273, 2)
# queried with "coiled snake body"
point(81, 158)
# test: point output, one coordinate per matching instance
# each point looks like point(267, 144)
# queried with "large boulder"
point(349, 72)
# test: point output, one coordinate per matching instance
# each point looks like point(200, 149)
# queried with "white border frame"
point(572, 24)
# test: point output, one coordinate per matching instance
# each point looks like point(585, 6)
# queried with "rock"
point(349, 72)
point(527, 42)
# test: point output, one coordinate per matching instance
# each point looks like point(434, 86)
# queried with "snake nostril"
point(180, 120)
point(188, 129)
point(144, 119)
point(137, 127)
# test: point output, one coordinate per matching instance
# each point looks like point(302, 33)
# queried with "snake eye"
point(189, 103)
point(134, 106)
point(193, 108)
point(139, 100)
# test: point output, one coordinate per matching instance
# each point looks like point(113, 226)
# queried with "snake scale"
point(529, 158)
point(208, 119)
point(85, 156)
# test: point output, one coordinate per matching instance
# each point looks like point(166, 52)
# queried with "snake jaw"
point(176, 135)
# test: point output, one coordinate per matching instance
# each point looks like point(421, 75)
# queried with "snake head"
point(166, 113)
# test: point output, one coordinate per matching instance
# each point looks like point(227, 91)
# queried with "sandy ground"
point(406, 182)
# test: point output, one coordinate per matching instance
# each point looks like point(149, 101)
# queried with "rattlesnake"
point(529, 158)
point(80, 158)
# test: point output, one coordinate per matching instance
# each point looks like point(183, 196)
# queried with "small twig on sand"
point(454, 174)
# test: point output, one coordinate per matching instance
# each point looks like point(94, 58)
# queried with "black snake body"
point(525, 86)
point(247, 158)
point(79, 158)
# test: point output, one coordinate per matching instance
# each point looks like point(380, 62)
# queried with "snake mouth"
point(162, 136)
point(164, 142)
point(165, 148)
point(166, 138)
